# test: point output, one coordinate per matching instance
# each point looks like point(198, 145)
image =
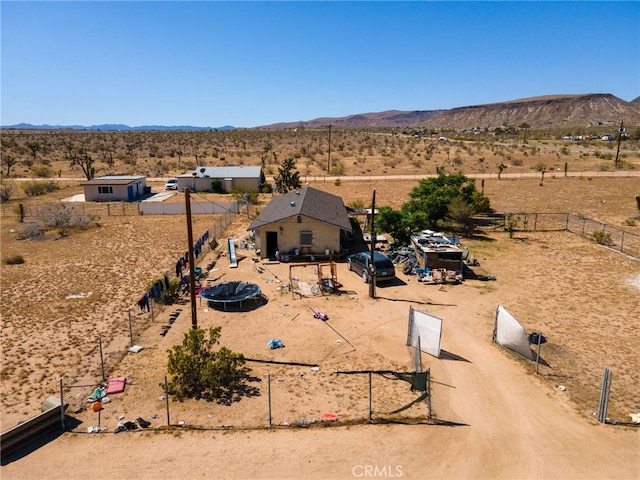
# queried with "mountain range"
point(550, 111)
point(112, 126)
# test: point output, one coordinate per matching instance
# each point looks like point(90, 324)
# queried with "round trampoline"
point(230, 293)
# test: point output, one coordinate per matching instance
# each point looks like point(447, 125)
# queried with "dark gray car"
point(361, 264)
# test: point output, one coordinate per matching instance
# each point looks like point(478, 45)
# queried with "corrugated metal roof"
point(229, 172)
point(309, 202)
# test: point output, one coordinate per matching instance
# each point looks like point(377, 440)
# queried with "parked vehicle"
point(172, 184)
point(360, 263)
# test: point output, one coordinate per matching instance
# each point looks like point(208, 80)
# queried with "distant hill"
point(111, 126)
point(550, 111)
point(390, 118)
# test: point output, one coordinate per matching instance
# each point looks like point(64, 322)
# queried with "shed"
point(230, 176)
point(115, 188)
point(304, 224)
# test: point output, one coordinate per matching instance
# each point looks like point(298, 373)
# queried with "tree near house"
point(80, 157)
point(201, 372)
point(288, 177)
point(434, 200)
point(461, 214)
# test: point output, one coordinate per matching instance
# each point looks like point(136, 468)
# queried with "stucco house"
point(115, 188)
point(230, 176)
point(301, 225)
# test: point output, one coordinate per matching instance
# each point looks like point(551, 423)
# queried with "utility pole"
point(192, 262)
point(329, 159)
point(620, 130)
point(372, 266)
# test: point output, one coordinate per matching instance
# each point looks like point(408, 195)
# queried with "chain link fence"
point(88, 208)
point(280, 396)
point(599, 232)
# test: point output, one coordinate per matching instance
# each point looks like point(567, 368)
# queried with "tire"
point(365, 276)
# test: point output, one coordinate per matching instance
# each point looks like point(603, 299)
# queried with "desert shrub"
point(31, 231)
point(14, 260)
point(198, 371)
point(63, 217)
point(33, 188)
point(7, 187)
point(41, 171)
point(337, 169)
point(602, 238)
point(511, 223)
point(357, 203)
point(266, 188)
point(217, 186)
point(170, 294)
point(249, 194)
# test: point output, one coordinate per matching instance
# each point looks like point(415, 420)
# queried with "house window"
point(308, 238)
point(105, 190)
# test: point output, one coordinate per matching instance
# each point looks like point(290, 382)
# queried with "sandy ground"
point(496, 418)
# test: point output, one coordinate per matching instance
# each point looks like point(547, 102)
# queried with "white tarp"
point(425, 332)
point(508, 333)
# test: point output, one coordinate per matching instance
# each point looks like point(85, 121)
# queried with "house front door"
point(272, 244)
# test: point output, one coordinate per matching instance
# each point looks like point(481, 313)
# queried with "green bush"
point(198, 371)
point(14, 260)
point(170, 295)
point(41, 171)
point(33, 188)
point(217, 186)
point(602, 238)
point(251, 195)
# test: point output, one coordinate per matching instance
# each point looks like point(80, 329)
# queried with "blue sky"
point(248, 64)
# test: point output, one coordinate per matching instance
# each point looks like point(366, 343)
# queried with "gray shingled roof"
point(309, 202)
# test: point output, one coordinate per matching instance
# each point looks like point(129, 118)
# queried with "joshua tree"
point(288, 178)
point(9, 161)
point(501, 167)
point(82, 158)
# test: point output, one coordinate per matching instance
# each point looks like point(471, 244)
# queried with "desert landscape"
point(493, 417)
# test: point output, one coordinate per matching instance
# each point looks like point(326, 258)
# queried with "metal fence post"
point(268, 375)
point(370, 401)
point(101, 358)
point(429, 393)
point(62, 405)
point(166, 400)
